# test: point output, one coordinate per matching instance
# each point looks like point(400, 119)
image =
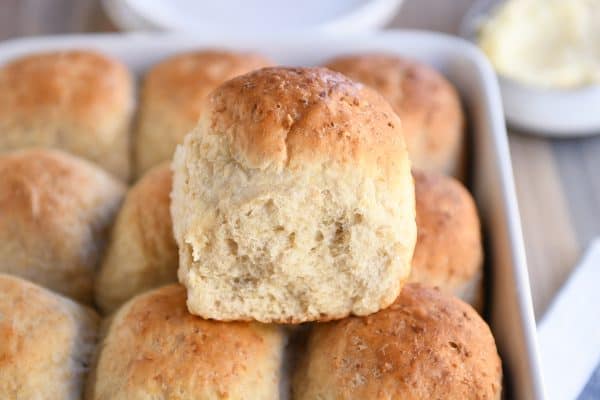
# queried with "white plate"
point(510, 312)
point(545, 112)
point(252, 16)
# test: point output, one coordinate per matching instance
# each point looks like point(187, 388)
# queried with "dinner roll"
point(78, 101)
point(172, 98)
point(292, 200)
point(55, 209)
point(46, 342)
point(449, 252)
point(428, 105)
point(141, 252)
point(427, 345)
point(155, 349)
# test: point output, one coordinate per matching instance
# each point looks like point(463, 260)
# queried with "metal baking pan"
point(509, 311)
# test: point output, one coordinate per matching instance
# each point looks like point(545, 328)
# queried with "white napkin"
point(569, 333)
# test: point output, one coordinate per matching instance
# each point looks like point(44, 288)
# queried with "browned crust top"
point(184, 80)
point(290, 116)
point(155, 339)
point(427, 345)
point(82, 85)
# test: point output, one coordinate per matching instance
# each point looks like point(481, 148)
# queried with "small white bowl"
point(551, 112)
point(252, 16)
point(546, 112)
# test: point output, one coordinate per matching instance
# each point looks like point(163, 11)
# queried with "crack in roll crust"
point(427, 345)
point(293, 200)
point(77, 101)
point(155, 349)
point(428, 105)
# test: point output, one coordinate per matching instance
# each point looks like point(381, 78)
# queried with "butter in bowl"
point(547, 57)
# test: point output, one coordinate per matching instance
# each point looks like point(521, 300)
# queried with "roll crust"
point(46, 342)
point(78, 101)
point(290, 116)
point(55, 210)
point(141, 252)
point(427, 345)
point(173, 95)
point(449, 252)
point(428, 105)
point(155, 349)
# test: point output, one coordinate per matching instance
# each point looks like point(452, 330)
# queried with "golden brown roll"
point(293, 200)
point(172, 98)
point(78, 101)
point(154, 349)
point(141, 252)
point(46, 342)
point(428, 106)
point(449, 251)
point(55, 210)
point(427, 345)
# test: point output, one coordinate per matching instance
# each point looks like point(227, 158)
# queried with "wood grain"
point(550, 240)
point(46, 17)
point(579, 161)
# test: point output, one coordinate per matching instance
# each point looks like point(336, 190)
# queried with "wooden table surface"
point(558, 181)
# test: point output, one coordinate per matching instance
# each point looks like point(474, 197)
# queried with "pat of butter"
point(546, 43)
